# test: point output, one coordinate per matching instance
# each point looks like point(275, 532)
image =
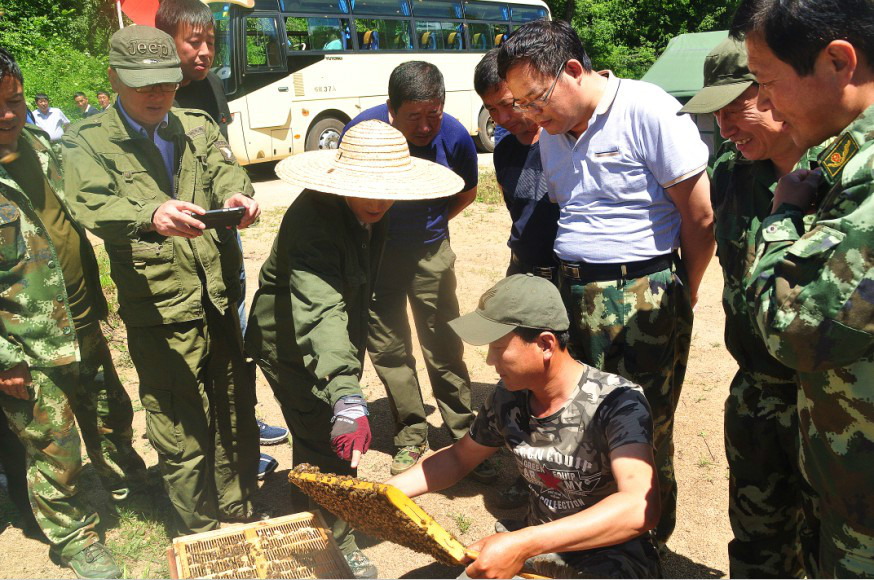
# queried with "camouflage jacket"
point(812, 296)
point(741, 193)
point(308, 323)
point(37, 325)
point(116, 179)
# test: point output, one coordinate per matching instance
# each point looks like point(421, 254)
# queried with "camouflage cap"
point(143, 56)
point(520, 300)
point(726, 77)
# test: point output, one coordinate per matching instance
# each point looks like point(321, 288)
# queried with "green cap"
point(143, 56)
point(726, 76)
point(520, 300)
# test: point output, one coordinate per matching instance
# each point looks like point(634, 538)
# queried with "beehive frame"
point(295, 546)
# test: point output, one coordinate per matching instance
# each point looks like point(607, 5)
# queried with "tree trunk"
point(569, 11)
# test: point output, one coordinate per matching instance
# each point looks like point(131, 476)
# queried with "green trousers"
point(639, 329)
point(88, 393)
point(771, 508)
point(198, 391)
point(309, 421)
point(424, 275)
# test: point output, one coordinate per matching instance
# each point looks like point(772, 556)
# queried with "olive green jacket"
point(307, 328)
point(116, 179)
point(37, 327)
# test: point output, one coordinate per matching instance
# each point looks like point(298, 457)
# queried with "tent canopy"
point(680, 68)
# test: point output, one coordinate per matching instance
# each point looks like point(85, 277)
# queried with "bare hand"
point(797, 188)
point(173, 218)
point(14, 381)
point(500, 556)
point(252, 209)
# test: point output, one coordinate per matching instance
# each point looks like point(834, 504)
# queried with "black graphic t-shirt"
point(565, 458)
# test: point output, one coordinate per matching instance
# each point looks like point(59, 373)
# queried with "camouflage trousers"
point(198, 391)
point(771, 508)
point(639, 329)
point(88, 393)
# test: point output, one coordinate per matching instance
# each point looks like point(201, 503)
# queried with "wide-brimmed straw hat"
point(372, 162)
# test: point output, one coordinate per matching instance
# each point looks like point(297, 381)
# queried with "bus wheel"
point(325, 134)
point(485, 138)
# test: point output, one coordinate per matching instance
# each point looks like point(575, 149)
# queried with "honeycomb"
point(296, 546)
point(378, 510)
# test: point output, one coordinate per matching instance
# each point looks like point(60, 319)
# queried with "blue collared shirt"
point(166, 148)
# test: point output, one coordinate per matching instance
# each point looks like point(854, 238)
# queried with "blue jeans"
point(241, 305)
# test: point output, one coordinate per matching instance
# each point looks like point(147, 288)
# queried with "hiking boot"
point(360, 565)
point(485, 472)
point(270, 435)
point(407, 457)
point(95, 561)
point(514, 496)
point(266, 466)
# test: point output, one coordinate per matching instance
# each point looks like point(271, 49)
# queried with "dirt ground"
point(698, 547)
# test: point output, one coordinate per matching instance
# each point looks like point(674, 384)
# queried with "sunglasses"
point(158, 88)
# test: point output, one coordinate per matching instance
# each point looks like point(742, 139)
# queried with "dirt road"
point(479, 239)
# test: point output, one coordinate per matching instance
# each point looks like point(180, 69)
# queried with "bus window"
point(440, 35)
point(317, 6)
point(223, 49)
point(381, 7)
point(317, 33)
point(379, 34)
point(486, 11)
point(520, 13)
point(437, 9)
point(485, 36)
point(262, 44)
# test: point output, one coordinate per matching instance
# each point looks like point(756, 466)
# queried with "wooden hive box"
point(295, 546)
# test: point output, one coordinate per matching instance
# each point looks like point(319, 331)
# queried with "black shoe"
point(360, 565)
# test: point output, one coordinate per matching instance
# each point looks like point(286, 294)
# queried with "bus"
point(296, 71)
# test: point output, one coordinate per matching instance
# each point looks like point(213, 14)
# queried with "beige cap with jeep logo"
point(143, 56)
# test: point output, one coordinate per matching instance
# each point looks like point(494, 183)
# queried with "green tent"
point(680, 68)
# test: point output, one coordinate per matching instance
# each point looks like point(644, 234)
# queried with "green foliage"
point(487, 190)
point(626, 36)
point(61, 47)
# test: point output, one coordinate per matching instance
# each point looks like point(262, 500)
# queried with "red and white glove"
point(350, 433)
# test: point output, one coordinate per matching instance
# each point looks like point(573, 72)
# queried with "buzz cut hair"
point(8, 67)
point(190, 13)
point(796, 31)
point(39, 96)
point(485, 75)
point(79, 94)
point(415, 81)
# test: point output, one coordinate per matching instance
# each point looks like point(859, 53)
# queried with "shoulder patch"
point(836, 156)
point(225, 150)
point(199, 130)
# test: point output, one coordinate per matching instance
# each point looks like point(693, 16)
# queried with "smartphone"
point(218, 218)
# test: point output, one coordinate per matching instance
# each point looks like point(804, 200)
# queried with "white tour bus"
point(296, 71)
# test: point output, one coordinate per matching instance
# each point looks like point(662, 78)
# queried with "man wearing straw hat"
point(139, 176)
point(309, 319)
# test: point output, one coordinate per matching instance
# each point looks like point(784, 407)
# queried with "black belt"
point(586, 272)
point(547, 272)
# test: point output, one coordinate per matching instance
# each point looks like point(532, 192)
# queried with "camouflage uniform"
point(813, 297)
point(766, 490)
point(640, 329)
point(73, 378)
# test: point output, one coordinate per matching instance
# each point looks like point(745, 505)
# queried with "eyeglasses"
point(538, 104)
point(158, 88)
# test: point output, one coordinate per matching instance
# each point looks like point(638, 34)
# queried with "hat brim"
point(476, 329)
point(136, 78)
point(711, 99)
point(421, 179)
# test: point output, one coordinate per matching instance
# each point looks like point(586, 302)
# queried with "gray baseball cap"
point(726, 76)
point(520, 300)
point(143, 56)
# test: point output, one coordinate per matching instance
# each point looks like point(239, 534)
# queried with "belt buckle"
point(542, 271)
point(571, 271)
